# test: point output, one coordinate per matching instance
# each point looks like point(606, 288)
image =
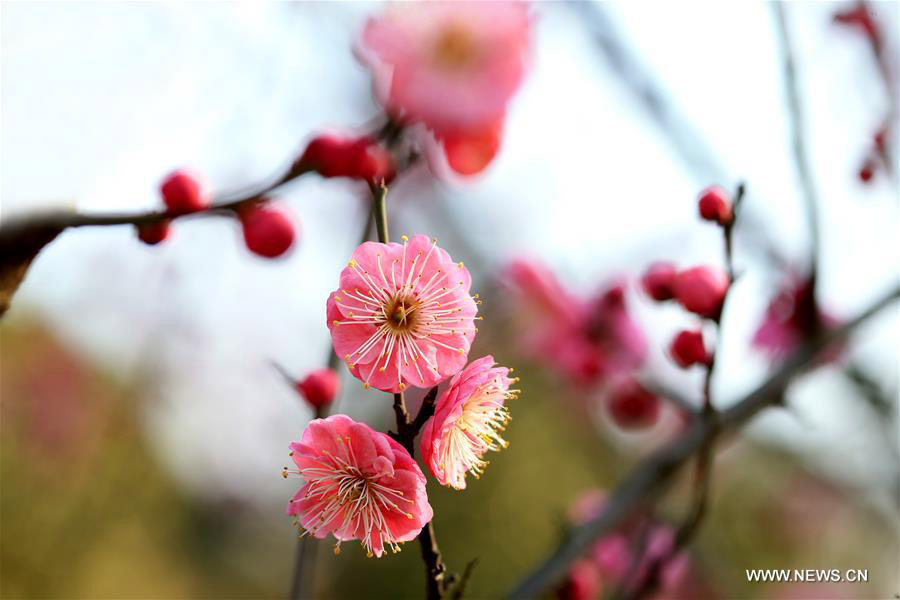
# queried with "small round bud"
point(470, 152)
point(701, 290)
point(583, 582)
point(361, 158)
point(659, 281)
point(715, 205)
point(268, 231)
point(155, 232)
point(867, 171)
point(182, 193)
point(687, 349)
point(631, 406)
point(319, 388)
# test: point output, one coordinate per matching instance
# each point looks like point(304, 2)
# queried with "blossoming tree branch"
point(403, 315)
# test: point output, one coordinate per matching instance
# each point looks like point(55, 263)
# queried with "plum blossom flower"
point(402, 314)
point(359, 485)
point(453, 66)
point(587, 340)
point(467, 422)
point(791, 318)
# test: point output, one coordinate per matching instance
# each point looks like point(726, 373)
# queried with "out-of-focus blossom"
point(587, 340)
point(631, 405)
point(714, 205)
point(615, 555)
point(792, 318)
point(658, 281)
point(860, 17)
point(467, 422)
point(182, 192)
point(268, 230)
point(320, 387)
point(582, 582)
point(687, 349)
point(402, 315)
point(332, 155)
point(453, 66)
point(702, 290)
point(359, 485)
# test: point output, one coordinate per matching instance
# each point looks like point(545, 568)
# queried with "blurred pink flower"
point(452, 65)
point(581, 583)
point(791, 318)
point(402, 314)
point(585, 340)
point(467, 422)
point(360, 485)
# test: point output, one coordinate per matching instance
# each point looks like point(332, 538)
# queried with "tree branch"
point(655, 472)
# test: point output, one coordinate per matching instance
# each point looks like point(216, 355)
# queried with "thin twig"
point(798, 133)
point(435, 570)
point(653, 474)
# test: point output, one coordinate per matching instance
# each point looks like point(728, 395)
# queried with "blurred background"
point(144, 428)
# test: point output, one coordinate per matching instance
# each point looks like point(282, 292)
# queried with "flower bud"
point(715, 205)
point(153, 233)
point(583, 582)
point(470, 152)
point(701, 290)
point(268, 231)
point(659, 281)
point(867, 171)
point(631, 406)
point(362, 158)
point(182, 193)
point(320, 387)
point(687, 349)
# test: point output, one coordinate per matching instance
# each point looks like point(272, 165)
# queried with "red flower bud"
point(154, 233)
point(268, 231)
point(861, 18)
point(320, 387)
point(631, 406)
point(362, 158)
point(715, 205)
point(687, 349)
point(867, 171)
point(659, 281)
point(701, 290)
point(182, 193)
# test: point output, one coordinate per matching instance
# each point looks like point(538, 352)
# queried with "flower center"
point(455, 48)
point(401, 315)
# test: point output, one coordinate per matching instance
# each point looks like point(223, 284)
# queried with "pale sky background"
point(101, 100)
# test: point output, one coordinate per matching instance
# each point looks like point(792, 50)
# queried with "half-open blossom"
point(359, 485)
point(792, 318)
point(468, 418)
point(402, 315)
point(452, 65)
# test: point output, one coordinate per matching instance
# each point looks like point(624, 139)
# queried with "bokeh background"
point(144, 428)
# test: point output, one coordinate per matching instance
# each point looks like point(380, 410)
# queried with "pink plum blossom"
point(402, 314)
point(587, 340)
point(792, 318)
point(451, 65)
point(467, 422)
point(359, 485)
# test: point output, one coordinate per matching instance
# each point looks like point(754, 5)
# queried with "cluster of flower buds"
point(700, 290)
point(362, 158)
point(267, 229)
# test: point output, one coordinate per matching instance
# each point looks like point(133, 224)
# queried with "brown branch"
point(653, 474)
point(435, 570)
point(798, 134)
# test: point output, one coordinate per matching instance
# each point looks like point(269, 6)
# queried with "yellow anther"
point(404, 238)
point(352, 263)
